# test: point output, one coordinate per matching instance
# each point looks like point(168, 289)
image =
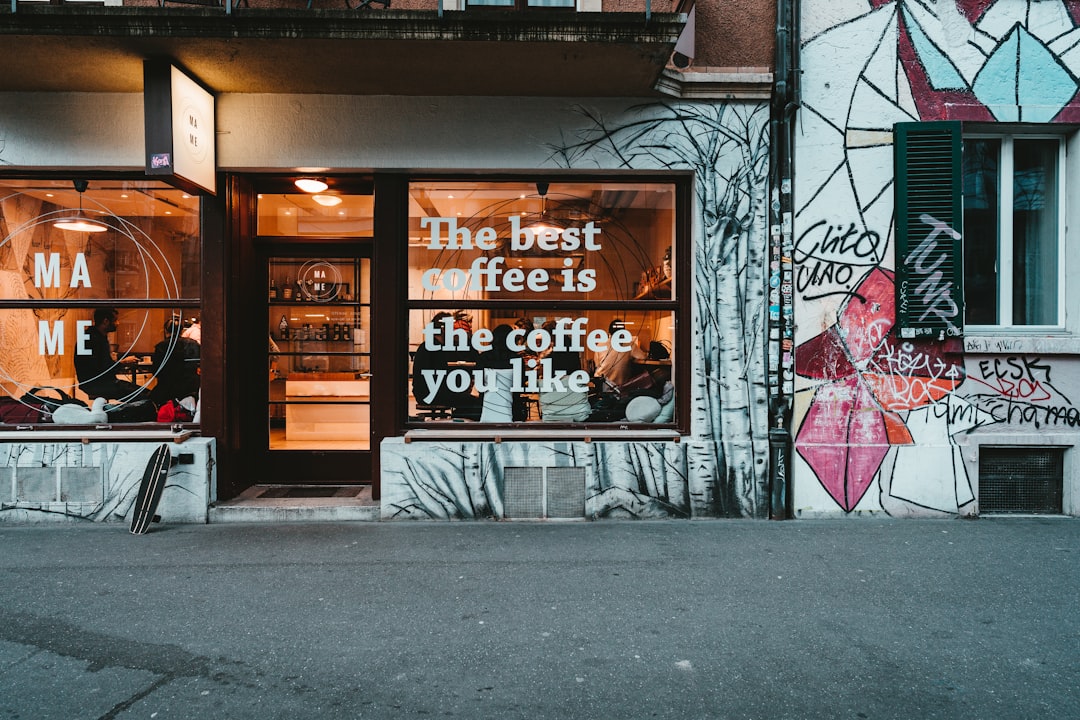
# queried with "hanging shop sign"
point(180, 132)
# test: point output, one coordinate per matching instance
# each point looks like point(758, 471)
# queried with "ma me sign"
point(180, 132)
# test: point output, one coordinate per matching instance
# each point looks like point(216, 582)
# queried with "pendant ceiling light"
point(543, 223)
point(327, 200)
point(79, 222)
point(310, 185)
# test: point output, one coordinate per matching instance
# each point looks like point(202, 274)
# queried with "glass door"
point(318, 312)
point(301, 336)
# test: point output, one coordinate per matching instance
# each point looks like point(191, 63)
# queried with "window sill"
point(87, 433)
point(503, 435)
point(1012, 343)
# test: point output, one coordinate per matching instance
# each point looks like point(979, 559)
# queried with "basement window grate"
point(1020, 480)
point(531, 493)
point(310, 491)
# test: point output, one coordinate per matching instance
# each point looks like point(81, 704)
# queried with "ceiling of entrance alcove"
point(123, 198)
point(471, 199)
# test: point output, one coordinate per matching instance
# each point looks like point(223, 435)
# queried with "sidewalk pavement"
point(852, 618)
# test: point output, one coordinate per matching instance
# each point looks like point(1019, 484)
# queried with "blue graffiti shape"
point(1023, 81)
point(940, 71)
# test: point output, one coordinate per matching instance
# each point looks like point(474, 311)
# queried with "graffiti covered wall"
point(884, 424)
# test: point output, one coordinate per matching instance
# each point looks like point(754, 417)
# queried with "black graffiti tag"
point(827, 254)
point(1021, 378)
point(822, 273)
point(839, 244)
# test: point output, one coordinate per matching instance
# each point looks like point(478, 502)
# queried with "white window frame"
point(1005, 289)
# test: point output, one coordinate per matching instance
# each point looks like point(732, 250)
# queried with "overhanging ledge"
point(100, 49)
point(734, 85)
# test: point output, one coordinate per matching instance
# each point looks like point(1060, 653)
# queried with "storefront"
point(517, 326)
point(512, 300)
point(101, 336)
point(519, 309)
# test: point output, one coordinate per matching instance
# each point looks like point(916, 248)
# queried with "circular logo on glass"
point(319, 281)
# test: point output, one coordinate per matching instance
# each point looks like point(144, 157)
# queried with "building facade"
point(559, 260)
point(556, 218)
point(934, 285)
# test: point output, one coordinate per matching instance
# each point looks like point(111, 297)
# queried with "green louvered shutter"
point(929, 224)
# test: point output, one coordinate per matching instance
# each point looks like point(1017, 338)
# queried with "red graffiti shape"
point(870, 374)
point(844, 440)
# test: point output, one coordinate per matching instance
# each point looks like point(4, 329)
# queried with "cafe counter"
point(327, 406)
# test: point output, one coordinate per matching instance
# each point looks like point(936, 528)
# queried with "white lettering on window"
point(50, 340)
point(82, 334)
point(47, 275)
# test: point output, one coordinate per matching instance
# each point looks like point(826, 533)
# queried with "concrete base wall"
point(99, 481)
point(443, 480)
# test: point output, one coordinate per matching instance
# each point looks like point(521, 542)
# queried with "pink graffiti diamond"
point(844, 439)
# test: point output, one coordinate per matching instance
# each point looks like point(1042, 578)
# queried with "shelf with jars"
point(315, 281)
point(318, 312)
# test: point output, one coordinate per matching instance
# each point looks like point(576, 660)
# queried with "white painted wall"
point(267, 132)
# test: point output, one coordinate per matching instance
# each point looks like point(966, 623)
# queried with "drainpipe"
point(780, 340)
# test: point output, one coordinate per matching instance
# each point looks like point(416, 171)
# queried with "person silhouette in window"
point(176, 365)
point(95, 367)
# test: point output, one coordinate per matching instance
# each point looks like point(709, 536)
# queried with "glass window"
point(327, 214)
point(542, 302)
point(100, 296)
point(319, 313)
point(1012, 231)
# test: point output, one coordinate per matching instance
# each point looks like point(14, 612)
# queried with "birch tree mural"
point(726, 145)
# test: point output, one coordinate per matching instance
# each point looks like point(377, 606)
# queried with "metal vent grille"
point(523, 489)
point(81, 484)
point(7, 484)
point(35, 484)
point(565, 492)
point(536, 493)
point(1020, 480)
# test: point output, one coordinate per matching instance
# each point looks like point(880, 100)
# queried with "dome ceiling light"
point(311, 185)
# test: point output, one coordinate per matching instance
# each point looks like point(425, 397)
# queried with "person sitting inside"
point(617, 367)
point(176, 366)
point(95, 367)
point(563, 405)
point(436, 361)
point(500, 403)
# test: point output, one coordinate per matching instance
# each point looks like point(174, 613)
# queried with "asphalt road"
point(719, 619)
